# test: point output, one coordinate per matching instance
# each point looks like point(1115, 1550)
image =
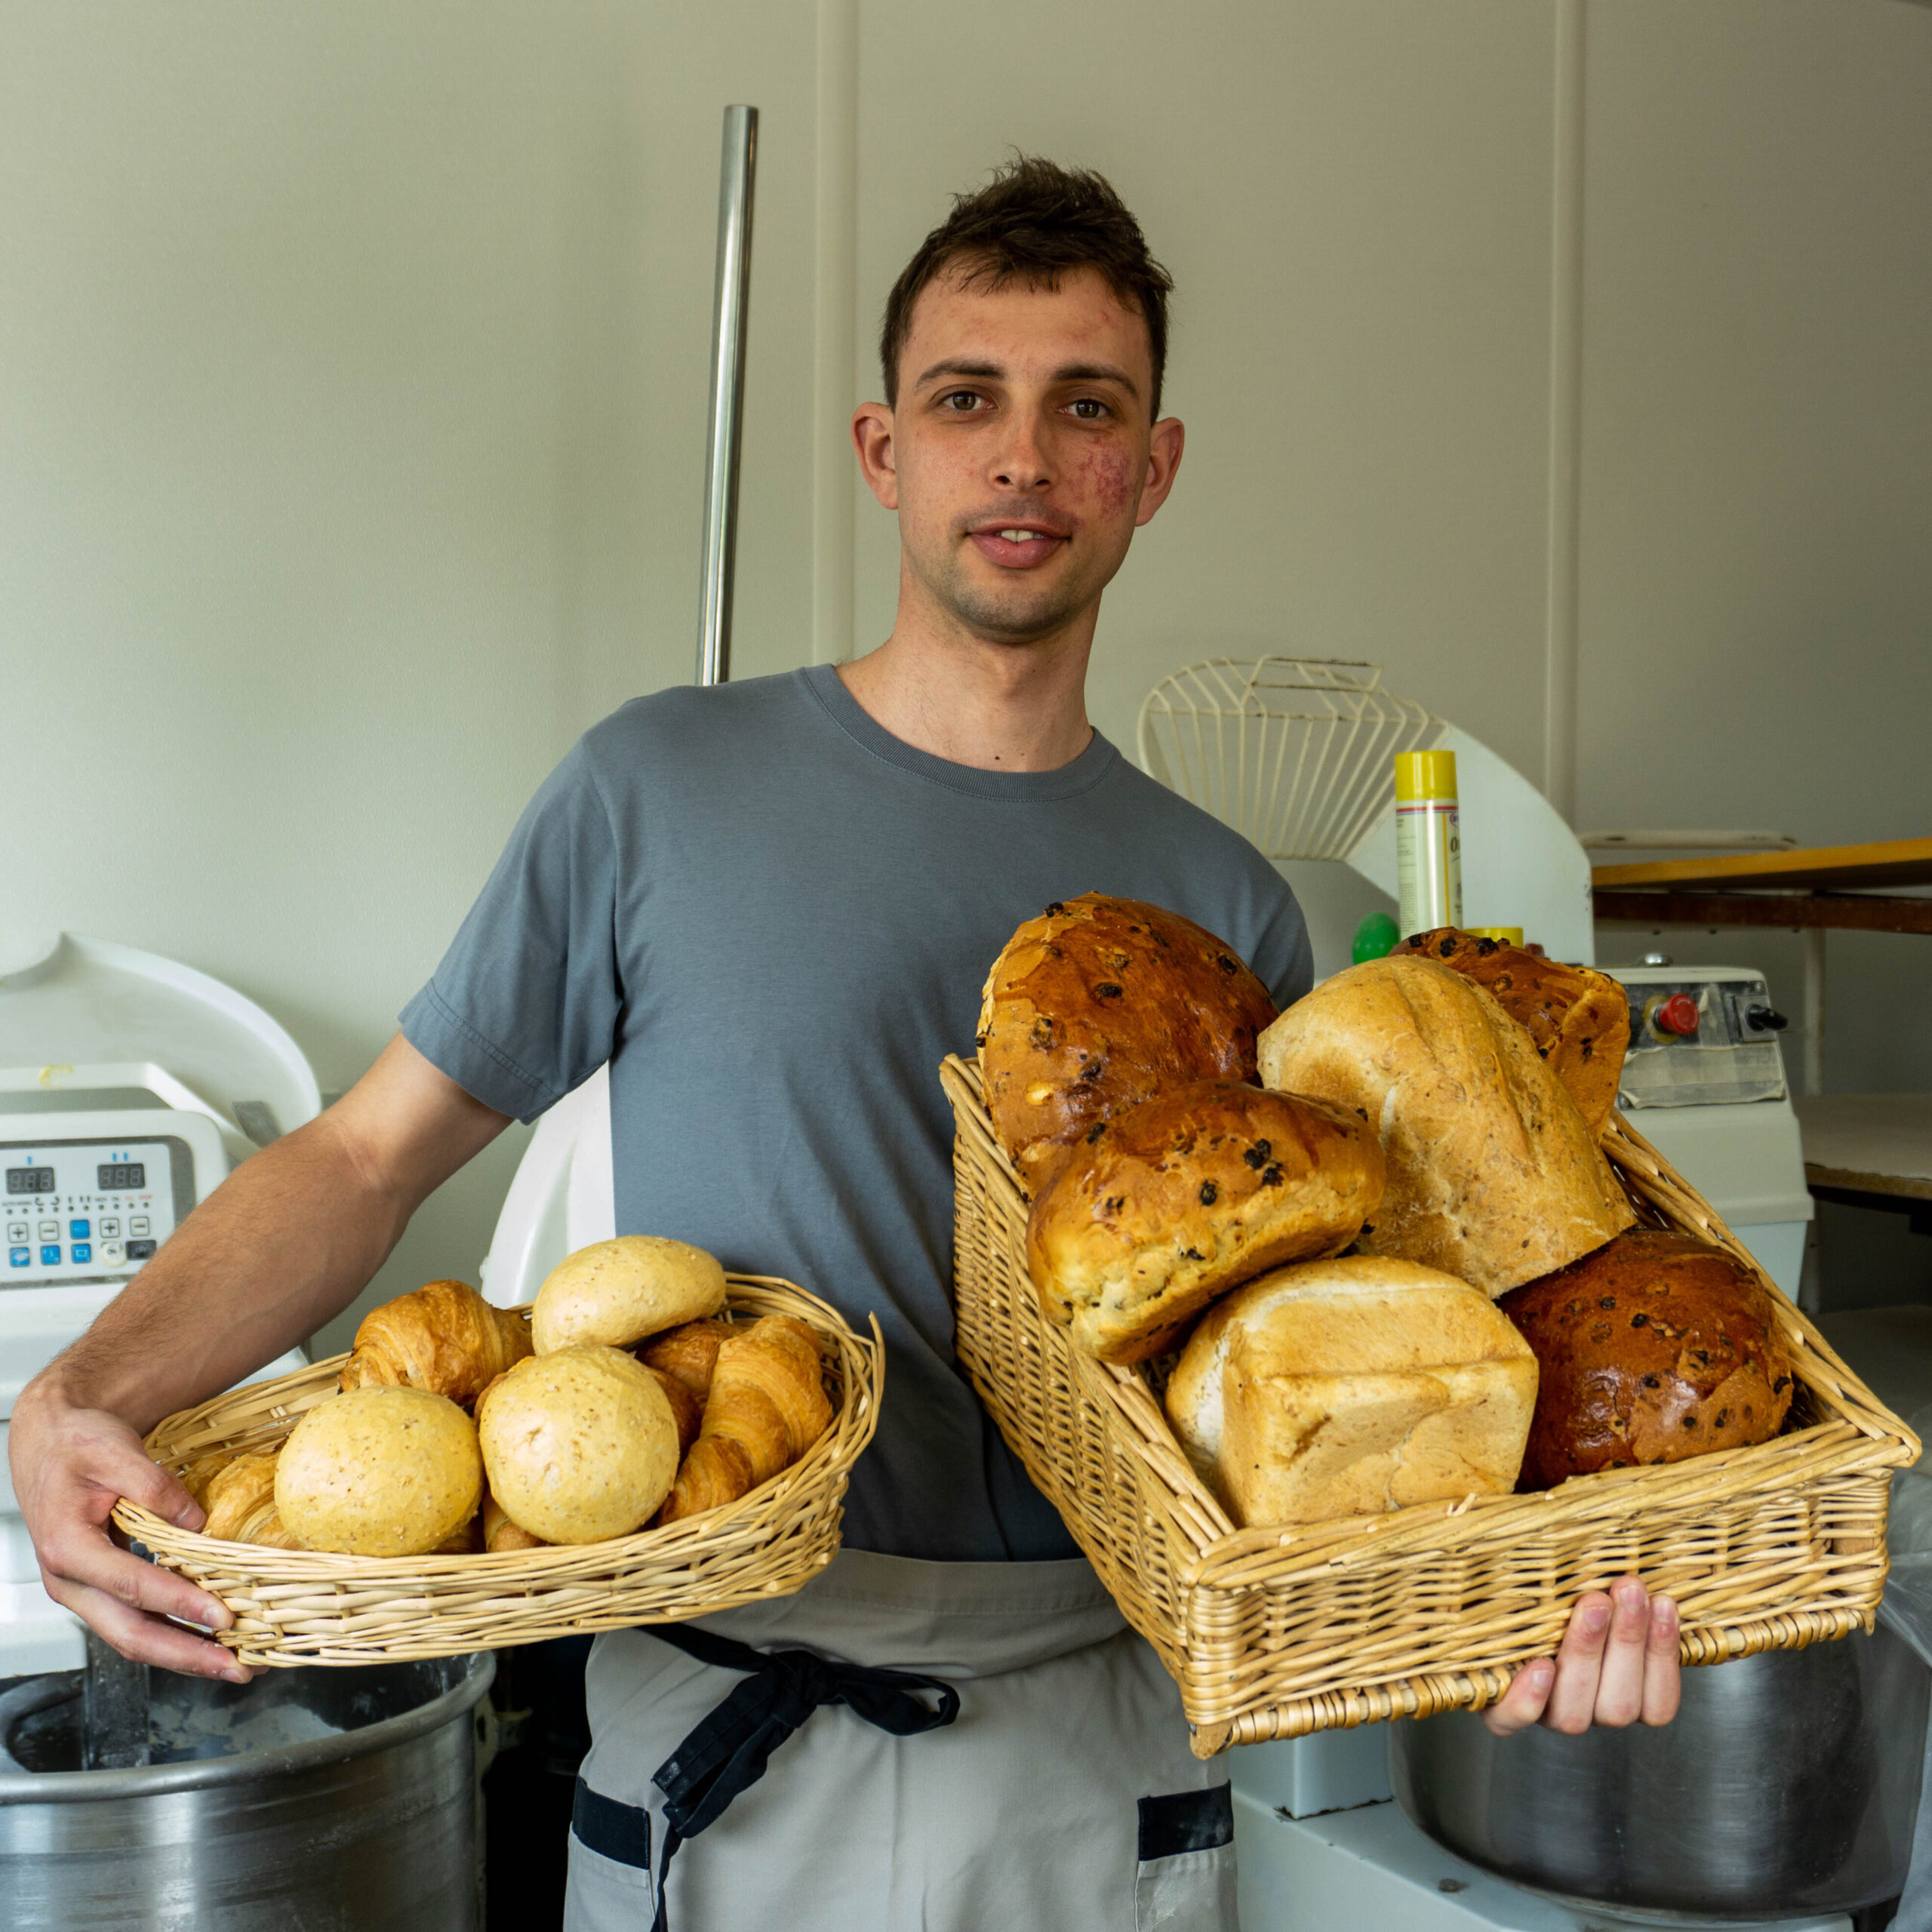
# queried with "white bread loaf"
point(1352, 1386)
point(1494, 1175)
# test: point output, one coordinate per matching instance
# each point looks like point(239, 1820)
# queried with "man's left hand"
point(1617, 1664)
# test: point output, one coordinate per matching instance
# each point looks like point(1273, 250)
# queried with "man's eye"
point(1090, 409)
point(960, 402)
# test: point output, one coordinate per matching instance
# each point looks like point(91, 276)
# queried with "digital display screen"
point(29, 1180)
point(129, 1174)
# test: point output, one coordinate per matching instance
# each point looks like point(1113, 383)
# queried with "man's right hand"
point(70, 1465)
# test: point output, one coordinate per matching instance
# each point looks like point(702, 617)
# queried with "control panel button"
point(50, 1231)
point(19, 1257)
point(110, 1227)
point(1677, 1014)
point(80, 1230)
point(16, 1230)
point(83, 1250)
point(141, 1250)
point(113, 1254)
point(138, 1225)
point(50, 1257)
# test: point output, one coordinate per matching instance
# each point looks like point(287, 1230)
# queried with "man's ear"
point(872, 437)
point(1163, 461)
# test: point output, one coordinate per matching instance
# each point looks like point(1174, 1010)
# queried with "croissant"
point(445, 1338)
point(686, 1410)
point(202, 1471)
point(241, 1505)
point(767, 1407)
point(688, 1353)
point(500, 1534)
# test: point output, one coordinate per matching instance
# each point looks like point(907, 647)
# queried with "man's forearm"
point(282, 1246)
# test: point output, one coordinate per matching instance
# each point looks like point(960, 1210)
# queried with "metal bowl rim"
point(287, 1760)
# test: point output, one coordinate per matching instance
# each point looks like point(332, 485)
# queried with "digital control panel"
point(89, 1210)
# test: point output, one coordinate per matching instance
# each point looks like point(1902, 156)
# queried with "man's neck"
point(996, 707)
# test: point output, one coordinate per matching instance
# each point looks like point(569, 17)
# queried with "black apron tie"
point(728, 1751)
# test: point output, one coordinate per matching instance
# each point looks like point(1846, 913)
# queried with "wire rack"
point(1297, 754)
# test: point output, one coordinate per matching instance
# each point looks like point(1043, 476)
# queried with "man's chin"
point(1012, 617)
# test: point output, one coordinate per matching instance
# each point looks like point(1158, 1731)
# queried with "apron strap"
point(728, 1751)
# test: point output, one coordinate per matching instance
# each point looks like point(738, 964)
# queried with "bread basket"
point(308, 1607)
point(1278, 1632)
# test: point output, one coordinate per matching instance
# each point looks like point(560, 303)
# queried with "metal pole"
point(1813, 1015)
point(737, 171)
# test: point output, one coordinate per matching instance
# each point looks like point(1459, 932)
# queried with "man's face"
point(1019, 455)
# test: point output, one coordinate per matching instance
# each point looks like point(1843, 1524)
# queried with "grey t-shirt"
point(774, 919)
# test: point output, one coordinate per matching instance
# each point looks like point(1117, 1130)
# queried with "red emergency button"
point(1677, 1014)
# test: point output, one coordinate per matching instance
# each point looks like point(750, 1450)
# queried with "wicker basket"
point(306, 1607)
point(1277, 1632)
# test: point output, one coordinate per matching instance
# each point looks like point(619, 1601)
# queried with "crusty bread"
point(1351, 1386)
point(1493, 1175)
point(1171, 1202)
point(1655, 1348)
point(1580, 1020)
point(1098, 1003)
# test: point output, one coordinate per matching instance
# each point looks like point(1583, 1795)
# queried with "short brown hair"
point(1031, 224)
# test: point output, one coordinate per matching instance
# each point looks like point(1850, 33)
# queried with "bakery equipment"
point(316, 1797)
point(130, 1085)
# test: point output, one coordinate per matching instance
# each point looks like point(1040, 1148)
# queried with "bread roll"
point(1348, 1387)
point(581, 1443)
point(1580, 1020)
point(444, 1337)
point(379, 1471)
point(1097, 1003)
point(615, 1293)
point(1171, 1202)
point(240, 1504)
point(1493, 1175)
point(1655, 1348)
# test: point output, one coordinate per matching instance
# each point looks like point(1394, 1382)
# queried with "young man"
point(770, 907)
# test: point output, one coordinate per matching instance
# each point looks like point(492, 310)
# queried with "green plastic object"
point(1375, 937)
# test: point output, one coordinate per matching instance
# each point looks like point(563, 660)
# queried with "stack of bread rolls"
point(624, 1399)
point(1320, 1210)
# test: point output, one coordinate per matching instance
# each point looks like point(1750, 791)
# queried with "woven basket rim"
point(1860, 1432)
point(857, 1362)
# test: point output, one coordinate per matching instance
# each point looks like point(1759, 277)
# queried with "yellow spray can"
point(1428, 848)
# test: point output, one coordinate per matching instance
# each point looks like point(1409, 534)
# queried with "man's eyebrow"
point(1073, 372)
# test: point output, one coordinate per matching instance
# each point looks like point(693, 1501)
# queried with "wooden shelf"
point(1831, 886)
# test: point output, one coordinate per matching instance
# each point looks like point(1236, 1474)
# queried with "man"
point(770, 907)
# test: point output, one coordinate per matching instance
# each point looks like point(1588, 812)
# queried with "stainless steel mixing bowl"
point(1788, 1784)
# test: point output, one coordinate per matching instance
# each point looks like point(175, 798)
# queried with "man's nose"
point(1021, 462)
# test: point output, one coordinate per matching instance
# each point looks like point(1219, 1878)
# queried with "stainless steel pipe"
point(731, 310)
point(356, 1806)
point(1789, 1785)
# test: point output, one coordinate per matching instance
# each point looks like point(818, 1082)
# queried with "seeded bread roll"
point(1098, 1003)
point(1580, 1020)
point(1655, 1348)
point(1170, 1203)
point(615, 1293)
point(1349, 1387)
point(1493, 1175)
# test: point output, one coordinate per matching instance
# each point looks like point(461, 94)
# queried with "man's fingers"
point(81, 1561)
point(1663, 1680)
point(1620, 1681)
point(1573, 1698)
point(1522, 1704)
point(147, 1639)
point(143, 1481)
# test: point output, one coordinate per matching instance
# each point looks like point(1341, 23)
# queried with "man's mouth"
point(1018, 546)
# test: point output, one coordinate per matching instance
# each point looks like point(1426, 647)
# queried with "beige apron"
point(1031, 1812)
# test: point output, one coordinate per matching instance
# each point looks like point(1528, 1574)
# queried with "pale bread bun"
point(379, 1471)
point(1352, 1386)
point(1170, 1203)
point(1493, 1175)
point(581, 1443)
point(615, 1293)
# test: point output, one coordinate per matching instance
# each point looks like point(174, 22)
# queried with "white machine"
point(130, 1085)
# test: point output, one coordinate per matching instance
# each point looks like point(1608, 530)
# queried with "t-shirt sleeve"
point(1284, 961)
point(525, 1005)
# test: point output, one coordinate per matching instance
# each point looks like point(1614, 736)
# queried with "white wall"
point(351, 422)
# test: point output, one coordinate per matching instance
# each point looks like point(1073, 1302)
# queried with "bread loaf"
point(445, 1337)
point(1097, 1003)
point(1578, 1020)
point(1172, 1201)
point(615, 1293)
point(1655, 1348)
point(1494, 1175)
point(379, 1471)
point(1351, 1386)
point(581, 1443)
